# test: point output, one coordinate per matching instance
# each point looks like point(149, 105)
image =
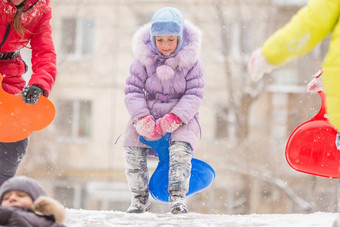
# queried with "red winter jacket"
point(36, 19)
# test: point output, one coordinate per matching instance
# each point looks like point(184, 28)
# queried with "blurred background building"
point(245, 126)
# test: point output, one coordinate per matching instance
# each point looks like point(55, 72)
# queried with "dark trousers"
point(11, 155)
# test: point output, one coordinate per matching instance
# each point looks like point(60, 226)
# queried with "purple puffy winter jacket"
point(158, 85)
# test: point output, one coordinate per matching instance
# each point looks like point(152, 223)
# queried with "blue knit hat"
point(167, 21)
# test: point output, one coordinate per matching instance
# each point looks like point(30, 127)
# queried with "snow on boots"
point(179, 176)
point(137, 175)
point(178, 203)
point(139, 204)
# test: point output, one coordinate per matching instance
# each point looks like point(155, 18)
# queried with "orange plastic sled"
point(18, 120)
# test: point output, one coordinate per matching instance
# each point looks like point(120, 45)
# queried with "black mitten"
point(31, 94)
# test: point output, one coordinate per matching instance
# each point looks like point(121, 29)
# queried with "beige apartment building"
point(245, 126)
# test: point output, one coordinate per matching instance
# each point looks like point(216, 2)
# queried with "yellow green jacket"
point(308, 27)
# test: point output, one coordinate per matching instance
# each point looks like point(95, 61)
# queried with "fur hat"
point(167, 21)
point(25, 184)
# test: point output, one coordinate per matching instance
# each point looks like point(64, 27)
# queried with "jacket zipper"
point(5, 36)
point(31, 6)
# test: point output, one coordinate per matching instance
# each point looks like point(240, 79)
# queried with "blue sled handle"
point(202, 174)
point(161, 146)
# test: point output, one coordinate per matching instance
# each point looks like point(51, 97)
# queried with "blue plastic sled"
point(202, 174)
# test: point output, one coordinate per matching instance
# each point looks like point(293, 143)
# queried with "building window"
point(73, 119)
point(78, 37)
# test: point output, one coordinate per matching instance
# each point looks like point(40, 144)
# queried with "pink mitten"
point(146, 126)
point(315, 84)
point(169, 123)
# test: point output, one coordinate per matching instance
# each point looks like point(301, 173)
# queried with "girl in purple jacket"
point(162, 94)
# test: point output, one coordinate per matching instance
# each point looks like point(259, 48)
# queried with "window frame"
point(75, 124)
point(80, 34)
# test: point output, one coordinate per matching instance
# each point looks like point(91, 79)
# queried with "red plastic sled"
point(311, 147)
point(18, 120)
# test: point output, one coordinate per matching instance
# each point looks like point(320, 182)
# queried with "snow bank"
point(82, 218)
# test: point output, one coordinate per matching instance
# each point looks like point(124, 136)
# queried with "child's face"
point(17, 2)
point(18, 199)
point(166, 44)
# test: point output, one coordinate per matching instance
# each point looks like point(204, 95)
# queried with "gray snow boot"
point(139, 204)
point(178, 204)
point(137, 176)
point(179, 176)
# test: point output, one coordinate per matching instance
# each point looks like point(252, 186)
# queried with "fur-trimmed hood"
point(186, 57)
point(47, 206)
point(33, 10)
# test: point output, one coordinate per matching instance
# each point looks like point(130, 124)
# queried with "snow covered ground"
point(85, 218)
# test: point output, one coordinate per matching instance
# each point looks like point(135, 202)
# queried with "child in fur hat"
point(24, 203)
point(162, 94)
